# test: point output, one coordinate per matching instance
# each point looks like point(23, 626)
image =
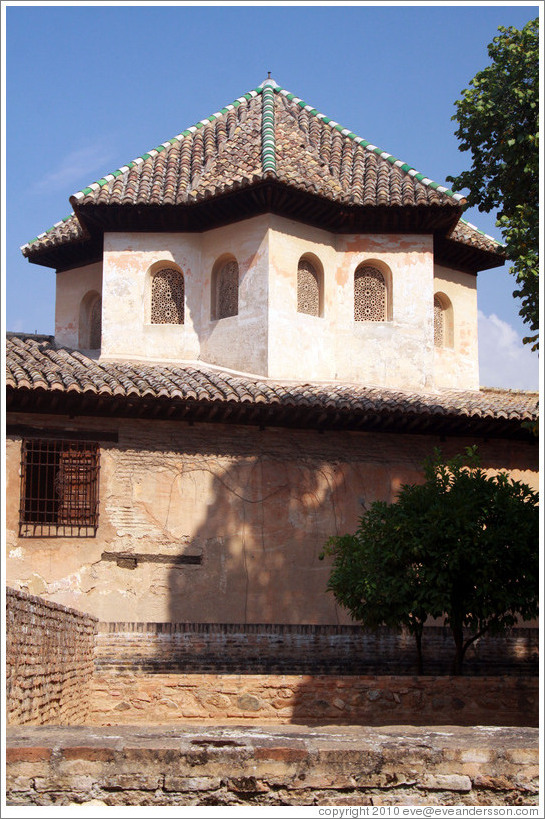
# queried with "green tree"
point(498, 122)
point(462, 546)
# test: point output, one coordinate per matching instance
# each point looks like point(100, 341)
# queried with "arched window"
point(90, 321)
point(438, 323)
point(225, 290)
point(308, 288)
point(95, 324)
point(370, 294)
point(167, 297)
point(442, 321)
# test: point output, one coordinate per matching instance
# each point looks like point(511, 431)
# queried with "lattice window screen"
point(438, 323)
point(308, 289)
point(95, 325)
point(227, 291)
point(74, 485)
point(167, 297)
point(369, 295)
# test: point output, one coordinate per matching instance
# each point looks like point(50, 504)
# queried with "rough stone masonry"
point(274, 765)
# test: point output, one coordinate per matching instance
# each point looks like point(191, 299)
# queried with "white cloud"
point(504, 361)
point(76, 164)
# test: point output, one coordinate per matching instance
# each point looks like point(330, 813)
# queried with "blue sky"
point(88, 88)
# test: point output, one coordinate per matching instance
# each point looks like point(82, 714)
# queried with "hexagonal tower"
point(269, 240)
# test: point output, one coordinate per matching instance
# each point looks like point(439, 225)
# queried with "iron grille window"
point(59, 488)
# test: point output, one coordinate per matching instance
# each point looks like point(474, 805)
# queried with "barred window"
point(369, 294)
point(226, 284)
point(167, 297)
point(308, 289)
point(59, 488)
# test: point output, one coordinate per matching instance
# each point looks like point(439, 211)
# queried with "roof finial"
point(269, 75)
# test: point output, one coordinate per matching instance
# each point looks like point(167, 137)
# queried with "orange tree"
point(462, 546)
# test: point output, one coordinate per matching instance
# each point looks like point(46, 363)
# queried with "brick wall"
point(49, 661)
point(302, 649)
point(262, 766)
point(129, 698)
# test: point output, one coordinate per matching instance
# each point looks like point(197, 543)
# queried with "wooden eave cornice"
point(267, 196)
point(260, 415)
point(464, 257)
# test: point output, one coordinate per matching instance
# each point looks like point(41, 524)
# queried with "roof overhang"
point(262, 415)
point(268, 196)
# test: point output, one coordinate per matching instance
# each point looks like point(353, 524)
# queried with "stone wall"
point(303, 649)
point(130, 698)
point(259, 767)
point(49, 661)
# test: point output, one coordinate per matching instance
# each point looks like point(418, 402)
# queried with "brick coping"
point(264, 765)
point(501, 741)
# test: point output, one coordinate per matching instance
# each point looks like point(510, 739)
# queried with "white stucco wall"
point(71, 288)
point(237, 342)
point(126, 328)
point(397, 353)
point(269, 337)
point(457, 366)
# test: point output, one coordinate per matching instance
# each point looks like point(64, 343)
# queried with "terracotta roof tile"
point(34, 364)
point(466, 233)
point(228, 151)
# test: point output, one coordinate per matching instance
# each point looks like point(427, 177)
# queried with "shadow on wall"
point(266, 521)
point(261, 504)
point(261, 507)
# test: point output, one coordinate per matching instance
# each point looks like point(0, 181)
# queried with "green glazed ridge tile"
point(233, 106)
point(248, 96)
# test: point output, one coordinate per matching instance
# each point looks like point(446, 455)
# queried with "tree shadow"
point(253, 509)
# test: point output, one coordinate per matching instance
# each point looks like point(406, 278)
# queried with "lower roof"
point(43, 377)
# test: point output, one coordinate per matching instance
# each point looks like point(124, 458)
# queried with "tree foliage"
point(498, 119)
point(462, 545)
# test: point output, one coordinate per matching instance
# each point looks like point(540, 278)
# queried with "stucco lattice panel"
point(167, 297)
point(227, 291)
point(95, 325)
point(438, 323)
point(369, 295)
point(308, 289)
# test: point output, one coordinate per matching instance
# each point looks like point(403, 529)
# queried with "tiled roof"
point(67, 231)
point(267, 134)
point(37, 367)
point(227, 149)
point(467, 233)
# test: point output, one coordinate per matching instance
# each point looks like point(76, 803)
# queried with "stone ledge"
point(272, 765)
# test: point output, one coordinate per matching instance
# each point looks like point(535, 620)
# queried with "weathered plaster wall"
point(237, 342)
point(126, 328)
point(397, 353)
point(268, 336)
point(71, 287)
point(257, 506)
point(457, 367)
point(301, 347)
